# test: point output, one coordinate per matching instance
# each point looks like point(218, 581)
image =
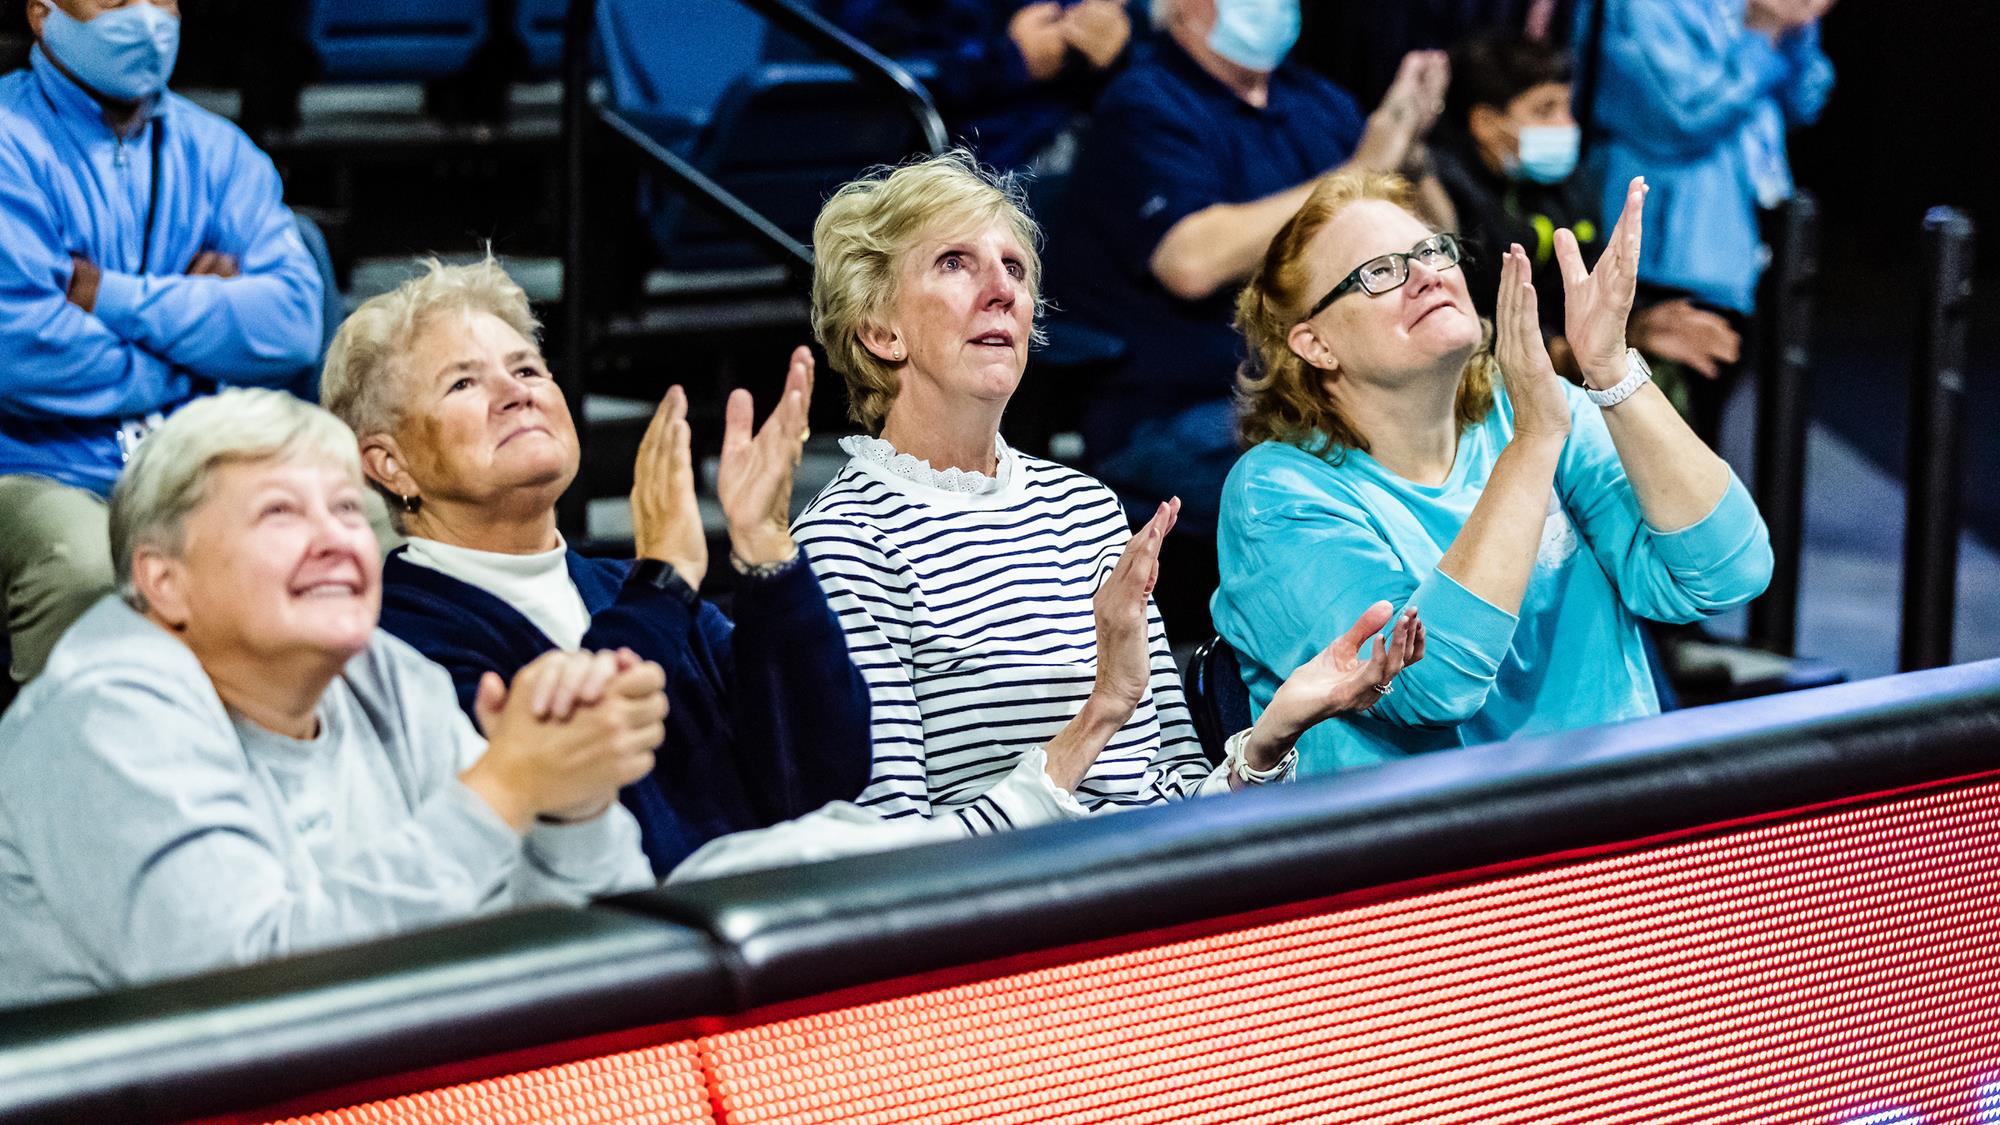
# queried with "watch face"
point(1636, 360)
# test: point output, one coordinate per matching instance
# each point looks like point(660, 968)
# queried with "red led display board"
point(1838, 967)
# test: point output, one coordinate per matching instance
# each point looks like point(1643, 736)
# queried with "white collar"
point(879, 452)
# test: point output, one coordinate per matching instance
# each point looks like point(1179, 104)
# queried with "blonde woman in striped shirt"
point(998, 604)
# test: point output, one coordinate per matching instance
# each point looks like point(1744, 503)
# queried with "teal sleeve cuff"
point(1455, 618)
point(1730, 528)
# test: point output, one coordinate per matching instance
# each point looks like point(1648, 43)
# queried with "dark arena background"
point(1782, 906)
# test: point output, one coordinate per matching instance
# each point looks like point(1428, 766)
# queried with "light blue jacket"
point(1699, 106)
point(70, 187)
point(1307, 545)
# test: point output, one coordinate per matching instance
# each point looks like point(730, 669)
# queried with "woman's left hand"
point(755, 481)
point(666, 520)
point(1598, 302)
point(1336, 682)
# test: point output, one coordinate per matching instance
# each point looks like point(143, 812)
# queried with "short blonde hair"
point(167, 479)
point(363, 380)
point(1280, 396)
point(860, 238)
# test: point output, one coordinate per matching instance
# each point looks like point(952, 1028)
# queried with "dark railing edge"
point(228, 1041)
point(183, 1049)
point(1155, 869)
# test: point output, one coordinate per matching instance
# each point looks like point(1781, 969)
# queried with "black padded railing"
point(704, 953)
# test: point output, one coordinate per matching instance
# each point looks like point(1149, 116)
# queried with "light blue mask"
point(1548, 153)
point(1255, 34)
point(126, 54)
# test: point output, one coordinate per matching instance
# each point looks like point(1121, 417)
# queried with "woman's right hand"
point(1534, 388)
point(666, 520)
point(1124, 651)
point(567, 762)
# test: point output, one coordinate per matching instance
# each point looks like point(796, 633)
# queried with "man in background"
point(146, 257)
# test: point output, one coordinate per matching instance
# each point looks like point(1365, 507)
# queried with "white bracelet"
point(1637, 374)
point(1239, 766)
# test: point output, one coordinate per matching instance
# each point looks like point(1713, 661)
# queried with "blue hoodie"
point(70, 187)
point(1698, 104)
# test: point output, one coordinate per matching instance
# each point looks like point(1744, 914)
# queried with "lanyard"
point(152, 196)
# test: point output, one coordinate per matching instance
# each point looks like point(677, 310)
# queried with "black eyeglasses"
point(1377, 276)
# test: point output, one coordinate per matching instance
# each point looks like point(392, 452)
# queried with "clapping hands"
point(1124, 652)
point(755, 482)
point(1338, 681)
point(1598, 302)
point(666, 520)
point(1408, 110)
point(567, 734)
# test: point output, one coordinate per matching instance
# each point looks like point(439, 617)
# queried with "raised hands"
point(1336, 682)
point(1098, 30)
point(1533, 386)
point(1598, 302)
point(1037, 32)
point(1408, 110)
point(666, 521)
point(1124, 651)
point(567, 734)
point(1780, 17)
point(755, 482)
point(1695, 338)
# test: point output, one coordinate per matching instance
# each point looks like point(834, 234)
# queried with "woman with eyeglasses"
point(1531, 521)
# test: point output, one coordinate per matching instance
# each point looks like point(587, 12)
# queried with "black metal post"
point(572, 510)
point(1937, 402)
point(1782, 416)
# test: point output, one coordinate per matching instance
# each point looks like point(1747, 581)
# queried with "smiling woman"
point(1534, 523)
point(461, 425)
point(231, 762)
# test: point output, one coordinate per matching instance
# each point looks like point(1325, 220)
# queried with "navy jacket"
point(749, 743)
point(1169, 140)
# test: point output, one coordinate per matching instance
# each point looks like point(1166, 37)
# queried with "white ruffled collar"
point(959, 481)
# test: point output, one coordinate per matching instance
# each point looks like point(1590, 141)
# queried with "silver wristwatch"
point(1637, 374)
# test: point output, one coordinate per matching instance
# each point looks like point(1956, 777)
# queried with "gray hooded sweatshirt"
point(146, 832)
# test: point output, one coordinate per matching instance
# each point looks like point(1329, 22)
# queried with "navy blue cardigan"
point(750, 741)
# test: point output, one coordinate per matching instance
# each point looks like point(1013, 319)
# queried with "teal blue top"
point(1307, 544)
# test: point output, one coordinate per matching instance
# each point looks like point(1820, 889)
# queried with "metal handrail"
point(868, 64)
point(718, 198)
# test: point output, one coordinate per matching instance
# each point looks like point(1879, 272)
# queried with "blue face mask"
point(1255, 34)
point(126, 54)
point(1548, 153)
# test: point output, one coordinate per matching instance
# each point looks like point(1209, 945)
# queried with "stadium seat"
point(394, 40)
point(1217, 699)
point(712, 83)
point(333, 308)
point(539, 24)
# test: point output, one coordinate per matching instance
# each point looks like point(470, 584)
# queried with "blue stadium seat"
point(395, 40)
point(539, 23)
point(1217, 699)
point(710, 81)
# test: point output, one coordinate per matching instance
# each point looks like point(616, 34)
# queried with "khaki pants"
point(55, 563)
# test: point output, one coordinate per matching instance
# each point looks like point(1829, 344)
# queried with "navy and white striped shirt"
point(970, 617)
